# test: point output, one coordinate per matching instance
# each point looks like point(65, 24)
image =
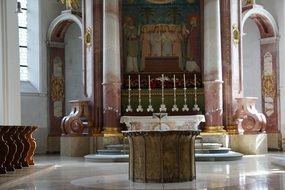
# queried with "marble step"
point(112, 152)
point(198, 157)
point(213, 146)
point(231, 155)
point(107, 158)
point(213, 151)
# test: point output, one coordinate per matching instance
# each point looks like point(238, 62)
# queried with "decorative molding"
point(269, 40)
point(55, 44)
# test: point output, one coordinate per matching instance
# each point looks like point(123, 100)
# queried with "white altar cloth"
point(185, 122)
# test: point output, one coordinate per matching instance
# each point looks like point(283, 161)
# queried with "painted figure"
point(192, 55)
point(131, 45)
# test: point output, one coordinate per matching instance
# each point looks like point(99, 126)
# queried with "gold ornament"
point(57, 86)
point(88, 37)
point(268, 85)
point(236, 34)
point(71, 4)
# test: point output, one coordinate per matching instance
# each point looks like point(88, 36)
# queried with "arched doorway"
point(263, 64)
point(60, 66)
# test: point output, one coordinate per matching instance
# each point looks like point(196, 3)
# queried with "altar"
point(162, 148)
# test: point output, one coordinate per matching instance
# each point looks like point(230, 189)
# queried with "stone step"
point(112, 152)
point(213, 151)
point(117, 147)
point(207, 146)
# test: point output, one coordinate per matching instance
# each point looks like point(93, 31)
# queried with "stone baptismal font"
point(162, 148)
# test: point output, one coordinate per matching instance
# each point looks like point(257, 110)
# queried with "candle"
point(174, 81)
point(148, 82)
point(195, 80)
point(139, 82)
point(184, 81)
point(129, 82)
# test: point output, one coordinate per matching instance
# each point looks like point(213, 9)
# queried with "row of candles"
point(162, 105)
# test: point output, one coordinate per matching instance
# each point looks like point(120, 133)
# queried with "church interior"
point(142, 94)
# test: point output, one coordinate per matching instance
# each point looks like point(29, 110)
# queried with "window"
point(23, 40)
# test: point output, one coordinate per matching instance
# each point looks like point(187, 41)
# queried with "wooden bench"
point(17, 147)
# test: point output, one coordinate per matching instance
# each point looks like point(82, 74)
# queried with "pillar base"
point(232, 129)
point(112, 132)
point(74, 146)
point(214, 129)
point(251, 144)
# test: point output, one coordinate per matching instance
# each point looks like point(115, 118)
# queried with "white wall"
point(10, 106)
point(35, 113)
point(251, 62)
point(73, 65)
point(34, 101)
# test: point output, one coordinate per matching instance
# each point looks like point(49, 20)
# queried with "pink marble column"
point(111, 67)
point(213, 84)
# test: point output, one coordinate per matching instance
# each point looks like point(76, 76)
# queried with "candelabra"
point(129, 107)
point(174, 108)
point(139, 109)
point(150, 108)
point(195, 107)
point(162, 105)
point(185, 106)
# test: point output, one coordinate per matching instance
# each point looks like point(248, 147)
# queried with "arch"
point(56, 64)
point(59, 25)
point(269, 64)
point(264, 20)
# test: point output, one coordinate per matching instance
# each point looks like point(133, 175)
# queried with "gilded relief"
point(236, 34)
point(88, 37)
point(71, 4)
point(57, 88)
point(268, 85)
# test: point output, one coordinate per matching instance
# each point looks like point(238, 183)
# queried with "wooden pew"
point(17, 147)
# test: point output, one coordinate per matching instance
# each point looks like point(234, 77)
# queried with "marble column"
point(213, 84)
point(230, 15)
point(111, 67)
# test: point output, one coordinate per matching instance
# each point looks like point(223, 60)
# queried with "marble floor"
point(55, 172)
